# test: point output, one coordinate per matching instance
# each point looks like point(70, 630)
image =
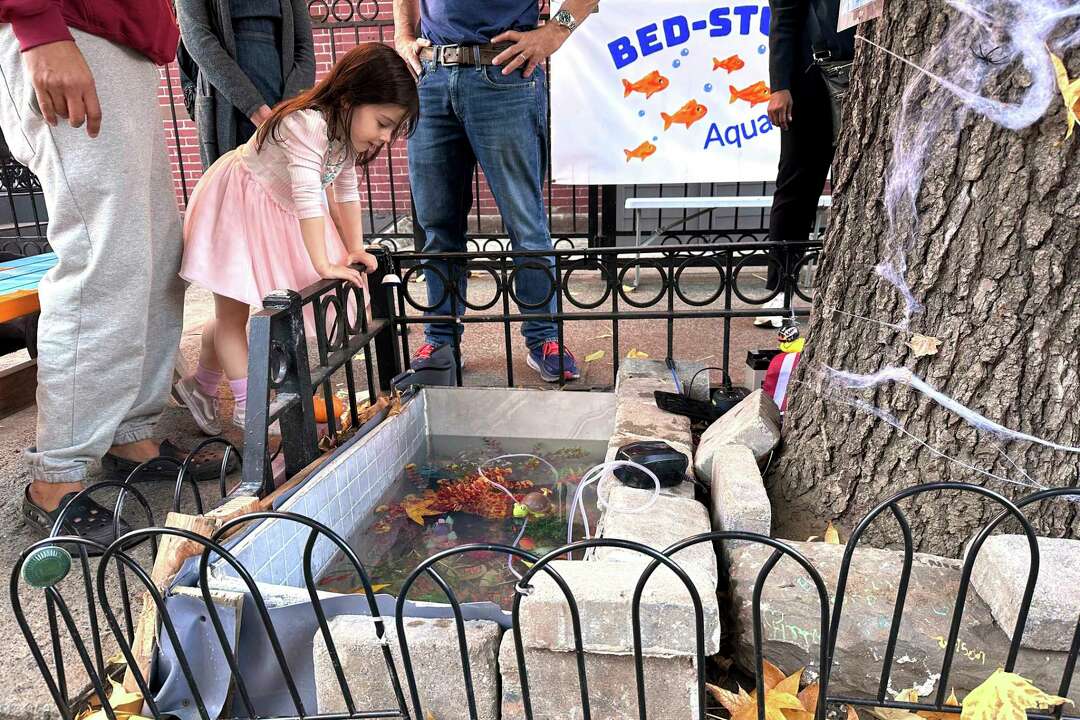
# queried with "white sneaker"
point(203, 408)
point(239, 419)
point(771, 320)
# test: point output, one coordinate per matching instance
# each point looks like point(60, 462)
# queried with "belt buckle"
point(454, 52)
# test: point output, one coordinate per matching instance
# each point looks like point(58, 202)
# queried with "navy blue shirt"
point(468, 22)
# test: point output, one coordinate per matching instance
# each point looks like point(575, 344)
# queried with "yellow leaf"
point(359, 589)
point(923, 345)
point(628, 289)
point(910, 695)
point(594, 356)
point(1070, 92)
point(124, 701)
point(775, 704)
point(731, 702)
point(428, 715)
point(851, 714)
point(1006, 696)
point(832, 536)
point(935, 715)
point(419, 510)
point(636, 354)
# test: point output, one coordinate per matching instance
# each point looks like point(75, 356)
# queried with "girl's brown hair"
point(369, 74)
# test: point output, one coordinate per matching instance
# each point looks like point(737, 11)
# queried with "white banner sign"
point(664, 92)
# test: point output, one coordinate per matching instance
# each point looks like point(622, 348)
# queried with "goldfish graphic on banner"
point(687, 115)
point(1070, 91)
point(730, 64)
point(651, 84)
point(754, 94)
point(641, 152)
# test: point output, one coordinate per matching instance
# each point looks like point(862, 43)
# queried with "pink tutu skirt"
point(241, 243)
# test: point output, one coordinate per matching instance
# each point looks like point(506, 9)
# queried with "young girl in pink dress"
point(264, 217)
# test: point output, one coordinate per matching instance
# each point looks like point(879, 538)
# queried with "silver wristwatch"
point(564, 18)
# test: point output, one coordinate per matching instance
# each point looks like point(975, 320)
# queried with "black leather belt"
point(468, 55)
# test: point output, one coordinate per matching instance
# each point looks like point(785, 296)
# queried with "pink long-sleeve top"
point(297, 168)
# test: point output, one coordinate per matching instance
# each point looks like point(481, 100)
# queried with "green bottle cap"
point(46, 566)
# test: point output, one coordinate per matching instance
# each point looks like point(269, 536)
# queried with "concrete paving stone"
point(603, 591)
point(436, 663)
point(555, 688)
point(739, 501)
point(754, 422)
point(1001, 574)
point(667, 521)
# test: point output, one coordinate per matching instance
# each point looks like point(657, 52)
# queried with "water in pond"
point(445, 502)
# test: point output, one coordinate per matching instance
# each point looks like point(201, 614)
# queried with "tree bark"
point(994, 236)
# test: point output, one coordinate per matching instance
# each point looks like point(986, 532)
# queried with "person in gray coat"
point(251, 55)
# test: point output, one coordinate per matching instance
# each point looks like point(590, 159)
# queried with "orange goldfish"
point(642, 151)
point(687, 115)
point(730, 64)
point(756, 93)
point(651, 84)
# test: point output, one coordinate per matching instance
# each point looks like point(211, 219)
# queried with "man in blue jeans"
point(483, 99)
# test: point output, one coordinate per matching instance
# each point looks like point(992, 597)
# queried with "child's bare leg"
point(229, 341)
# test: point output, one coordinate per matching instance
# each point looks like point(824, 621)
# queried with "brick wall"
point(388, 176)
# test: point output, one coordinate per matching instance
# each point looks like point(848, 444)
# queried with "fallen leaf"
point(923, 345)
point(636, 354)
point(124, 701)
point(1070, 92)
point(359, 589)
point(594, 356)
point(629, 288)
point(778, 699)
point(602, 336)
point(429, 715)
point(851, 714)
point(1006, 696)
point(935, 715)
point(812, 538)
point(832, 536)
point(731, 702)
point(909, 695)
point(774, 675)
point(419, 510)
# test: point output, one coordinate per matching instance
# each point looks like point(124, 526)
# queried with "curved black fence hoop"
point(317, 529)
point(744, 264)
point(968, 566)
point(805, 261)
point(427, 566)
point(125, 561)
point(642, 264)
point(697, 262)
point(604, 274)
point(89, 491)
point(212, 545)
point(499, 288)
point(54, 600)
point(780, 550)
point(499, 246)
point(278, 363)
point(424, 267)
point(230, 450)
point(575, 618)
point(560, 241)
point(549, 272)
point(336, 335)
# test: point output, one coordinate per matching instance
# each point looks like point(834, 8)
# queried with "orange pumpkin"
point(320, 408)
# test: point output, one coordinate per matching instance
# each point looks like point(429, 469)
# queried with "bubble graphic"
point(761, 49)
point(685, 52)
point(677, 63)
point(641, 113)
point(708, 87)
point(654, 138)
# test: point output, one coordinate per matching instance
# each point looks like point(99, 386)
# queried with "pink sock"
point(239, 391)
point(208, 380)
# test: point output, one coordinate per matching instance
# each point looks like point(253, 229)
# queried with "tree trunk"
point(988, 219)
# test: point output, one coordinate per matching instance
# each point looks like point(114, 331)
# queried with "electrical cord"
point(690, 387)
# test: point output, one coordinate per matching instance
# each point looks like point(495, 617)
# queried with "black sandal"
point(86, 518)
point(206, 465)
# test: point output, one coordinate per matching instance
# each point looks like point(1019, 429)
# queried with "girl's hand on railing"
point(363, 257)
point(342, 272)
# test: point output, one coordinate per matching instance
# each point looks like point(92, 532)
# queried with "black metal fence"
point(86, 594)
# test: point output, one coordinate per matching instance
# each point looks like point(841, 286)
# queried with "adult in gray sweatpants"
point(112, 308)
